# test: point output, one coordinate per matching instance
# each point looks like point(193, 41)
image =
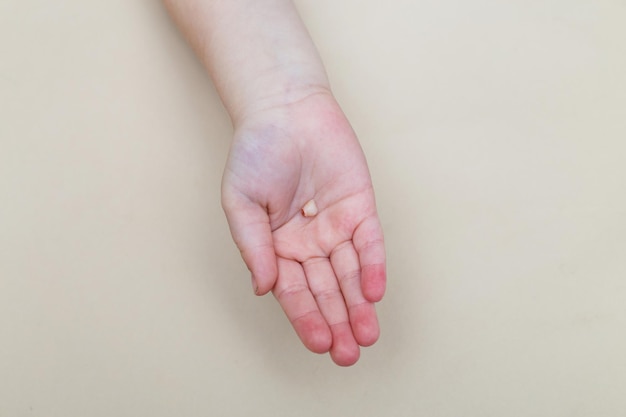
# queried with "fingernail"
point(255, 287)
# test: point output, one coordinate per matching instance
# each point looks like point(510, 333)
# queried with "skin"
point(292, 143)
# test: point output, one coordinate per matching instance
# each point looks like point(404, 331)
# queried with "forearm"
point(258, 52)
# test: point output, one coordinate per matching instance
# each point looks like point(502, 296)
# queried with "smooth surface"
point(495, 134)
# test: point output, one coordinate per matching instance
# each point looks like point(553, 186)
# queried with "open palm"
point(328, 270)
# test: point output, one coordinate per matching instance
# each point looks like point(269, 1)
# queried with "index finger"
point(369, 243)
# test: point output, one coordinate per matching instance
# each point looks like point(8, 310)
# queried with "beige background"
point(495, 133)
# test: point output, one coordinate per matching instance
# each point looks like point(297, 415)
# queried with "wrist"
point(275, 95)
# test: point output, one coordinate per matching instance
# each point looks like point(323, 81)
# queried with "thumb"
point(250, 227)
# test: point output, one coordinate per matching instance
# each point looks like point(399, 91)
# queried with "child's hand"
point(292, 145)
point(328, 270)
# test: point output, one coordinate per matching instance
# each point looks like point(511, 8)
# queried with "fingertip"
point(263, 271)
point(373, 282)
point(263, 285)
point(255, 286)
point(364, 324)
point(368, 337)
point(369, 243)
point(345, 359)
point(344, 350)
point(318, 341)
point(314, 332)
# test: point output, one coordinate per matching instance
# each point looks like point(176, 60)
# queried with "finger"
point(250, 227)
point(345, 262)
point(294, 296)
point(369, 244)
point(325, 288)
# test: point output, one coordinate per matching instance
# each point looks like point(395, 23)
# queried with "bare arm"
point(296, 189)
point(258, 52)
